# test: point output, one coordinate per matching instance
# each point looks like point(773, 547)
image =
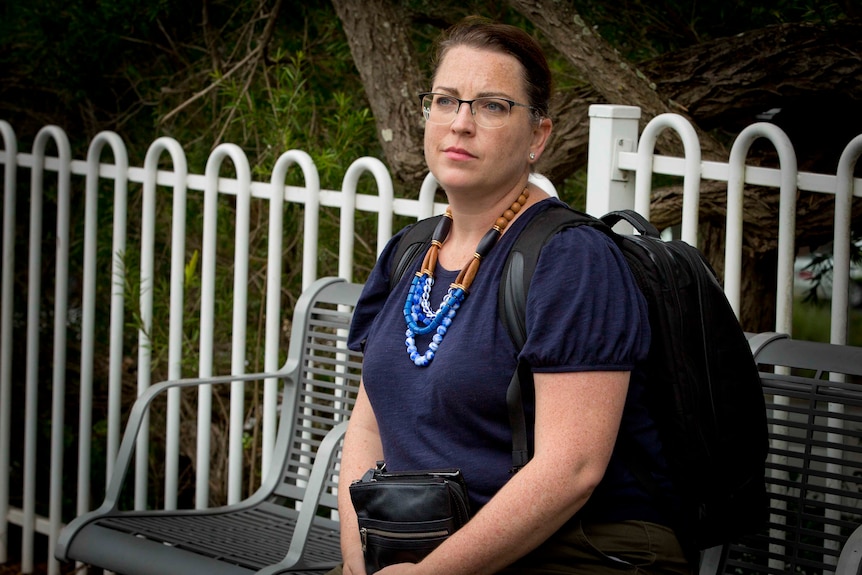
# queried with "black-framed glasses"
point(488, 112)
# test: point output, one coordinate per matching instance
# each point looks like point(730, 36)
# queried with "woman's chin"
point(453, 180)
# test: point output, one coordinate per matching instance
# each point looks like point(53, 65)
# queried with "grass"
point(811, 322)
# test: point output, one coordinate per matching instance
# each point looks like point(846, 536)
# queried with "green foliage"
point(83, 65)
point(811, 322)
point(302, 93)
point(574, 190)
point(283, 111)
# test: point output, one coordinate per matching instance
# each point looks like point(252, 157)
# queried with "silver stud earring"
point(532, 155)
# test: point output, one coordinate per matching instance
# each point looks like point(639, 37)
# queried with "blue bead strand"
point(438, 325)
point(418, 315)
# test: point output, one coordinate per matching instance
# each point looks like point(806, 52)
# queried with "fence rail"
point(619, 175)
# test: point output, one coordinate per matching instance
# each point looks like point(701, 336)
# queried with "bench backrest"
point(814, 471)
point(321, 390)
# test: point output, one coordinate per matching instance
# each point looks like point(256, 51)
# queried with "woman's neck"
point(471, 220)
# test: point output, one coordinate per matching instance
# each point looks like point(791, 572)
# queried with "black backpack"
point(703, 386)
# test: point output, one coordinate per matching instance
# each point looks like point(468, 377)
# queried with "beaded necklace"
point(420, 318)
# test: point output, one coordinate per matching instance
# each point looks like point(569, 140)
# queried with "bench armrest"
point(850, 560)
point(136, 418)
point(326, 453)
point(127, 446)
point(712, 560)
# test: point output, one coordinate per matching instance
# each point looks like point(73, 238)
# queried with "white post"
point(613, 129)
point(240, 316)
point(691, 178)
point(177, 312)
point(273, 290)
point(34, 293)
point(89, 311)
point(841, 240)
point(786, 219)
point(10, 172)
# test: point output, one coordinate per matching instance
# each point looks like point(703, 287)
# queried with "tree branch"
point(615, 79)
point(254, 56)
point(212, 86)
point(260, 54)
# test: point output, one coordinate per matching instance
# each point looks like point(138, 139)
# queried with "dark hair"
point(485, 34)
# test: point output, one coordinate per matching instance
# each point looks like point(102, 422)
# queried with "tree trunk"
point(566, 151)
point(702, 76)
point(378, 33)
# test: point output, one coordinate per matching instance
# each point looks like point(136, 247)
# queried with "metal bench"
point(290, 522)
point(814, 402)
point(814, 471)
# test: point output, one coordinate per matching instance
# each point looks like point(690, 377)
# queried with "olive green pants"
point(635, 547)
point(631, 547)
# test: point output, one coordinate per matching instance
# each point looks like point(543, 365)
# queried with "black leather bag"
point(404, 516)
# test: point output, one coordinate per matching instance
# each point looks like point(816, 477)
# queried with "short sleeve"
point(584, 309)
point(374, 295)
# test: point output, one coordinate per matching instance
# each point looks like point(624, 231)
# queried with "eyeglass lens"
point(487, 112)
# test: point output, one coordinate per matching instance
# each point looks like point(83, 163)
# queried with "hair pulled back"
point(484, 34)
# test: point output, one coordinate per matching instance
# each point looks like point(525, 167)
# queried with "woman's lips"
point(458, 154)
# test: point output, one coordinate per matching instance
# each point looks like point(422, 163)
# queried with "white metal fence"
point(616, 155)
point(619, 175)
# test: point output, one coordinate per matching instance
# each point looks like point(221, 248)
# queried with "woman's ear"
point(541, 133)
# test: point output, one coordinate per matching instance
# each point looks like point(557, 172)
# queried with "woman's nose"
point(464, 117)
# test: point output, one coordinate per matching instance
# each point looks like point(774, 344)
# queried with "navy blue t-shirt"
point(584, 313)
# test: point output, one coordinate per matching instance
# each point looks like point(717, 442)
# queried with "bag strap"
point(641, 225)
point(512, 308)
point(512, 299)
point(412, 244)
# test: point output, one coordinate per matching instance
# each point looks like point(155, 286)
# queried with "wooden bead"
point(468, 272)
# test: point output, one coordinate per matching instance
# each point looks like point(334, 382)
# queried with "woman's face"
point(464, 156)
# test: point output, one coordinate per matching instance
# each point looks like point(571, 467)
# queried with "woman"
point(440, 402)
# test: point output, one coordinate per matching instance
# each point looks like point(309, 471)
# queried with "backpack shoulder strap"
point(521, 264)
point(412, 244)
point(512, 306)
